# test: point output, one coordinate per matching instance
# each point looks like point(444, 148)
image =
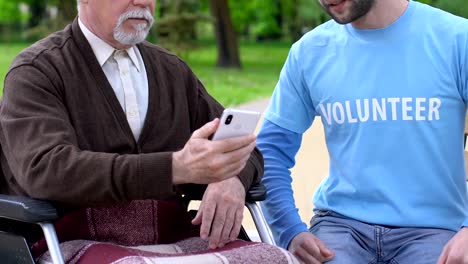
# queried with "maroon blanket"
point(192, 250)
point(147, 231)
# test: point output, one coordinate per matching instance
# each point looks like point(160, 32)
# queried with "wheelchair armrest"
point(256, 193)
point(31, 210)
point(26, 209)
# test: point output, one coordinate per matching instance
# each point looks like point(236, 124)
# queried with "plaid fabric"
point(141, 222)
point(192, 250)
point(147, 231)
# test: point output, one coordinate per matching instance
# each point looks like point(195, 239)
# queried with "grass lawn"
point(261, 63)
point(7, 53)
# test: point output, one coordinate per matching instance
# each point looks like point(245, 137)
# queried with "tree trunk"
point(279, 15)
point(295, 23)
point(38, 13)
point(226, 38)
point(163, 8)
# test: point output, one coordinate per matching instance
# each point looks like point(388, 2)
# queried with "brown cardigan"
point(65, 136)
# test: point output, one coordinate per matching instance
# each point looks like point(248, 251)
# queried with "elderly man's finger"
point(209, 210)
point(217, 226)
point(239, 216)
point(228, 225)
point(236, 143)
point(198, 218)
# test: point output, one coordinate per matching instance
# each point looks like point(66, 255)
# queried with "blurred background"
point(237, 48)
point(240, 64)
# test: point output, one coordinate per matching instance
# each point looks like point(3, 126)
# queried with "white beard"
point(141, 30)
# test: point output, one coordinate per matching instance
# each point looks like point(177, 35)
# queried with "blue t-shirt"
point(392, 102)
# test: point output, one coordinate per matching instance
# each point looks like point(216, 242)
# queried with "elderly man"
point(104, 124)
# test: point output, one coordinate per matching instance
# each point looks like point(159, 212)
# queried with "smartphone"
point(236, 123)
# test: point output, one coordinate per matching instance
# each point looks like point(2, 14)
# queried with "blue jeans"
point(355, 242)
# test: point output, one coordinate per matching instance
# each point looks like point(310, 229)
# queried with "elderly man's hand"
point(456, 250)
point(203, 161)
point(221, 212)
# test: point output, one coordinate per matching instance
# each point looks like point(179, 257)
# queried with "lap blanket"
point(192, 250)
point(147, 231)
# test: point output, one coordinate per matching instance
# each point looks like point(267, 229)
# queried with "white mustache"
point(136, 13)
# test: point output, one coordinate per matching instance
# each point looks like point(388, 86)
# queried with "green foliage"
point(260, 19)
point(9, 12)
point(241, 14)
point(267, 14)
point(253, 19)
point(177, 32)
point(256, 17)
point(312, 13)
point(429, 2)
point(6, 57)
point(176, 24)
point(34, 21)
point(261, 65)
point(270, 19)
point(457, 7)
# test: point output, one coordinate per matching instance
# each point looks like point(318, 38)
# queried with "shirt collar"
point(102, 50)
point(133, 57)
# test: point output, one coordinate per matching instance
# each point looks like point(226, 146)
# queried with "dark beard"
point(358, 9)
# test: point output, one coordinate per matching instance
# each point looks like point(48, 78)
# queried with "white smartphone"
point(236, 123)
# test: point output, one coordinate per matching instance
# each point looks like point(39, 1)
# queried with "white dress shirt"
point(135, 110)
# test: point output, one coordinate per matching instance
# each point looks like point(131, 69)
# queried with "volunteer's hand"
point(456, 250)
point(309, 249)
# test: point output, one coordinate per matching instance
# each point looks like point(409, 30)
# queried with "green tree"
point(10, 19)
point(9, 12)
point(37, 12)
point(457, 7)
point(67, 10)
point(176, 24)
point(273, 19)
point(226, 37)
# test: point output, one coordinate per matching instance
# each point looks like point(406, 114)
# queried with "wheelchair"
point(17, 212)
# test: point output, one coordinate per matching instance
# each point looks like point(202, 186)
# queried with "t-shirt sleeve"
point(290, 106)
point(462, 44)
point(279, 147)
